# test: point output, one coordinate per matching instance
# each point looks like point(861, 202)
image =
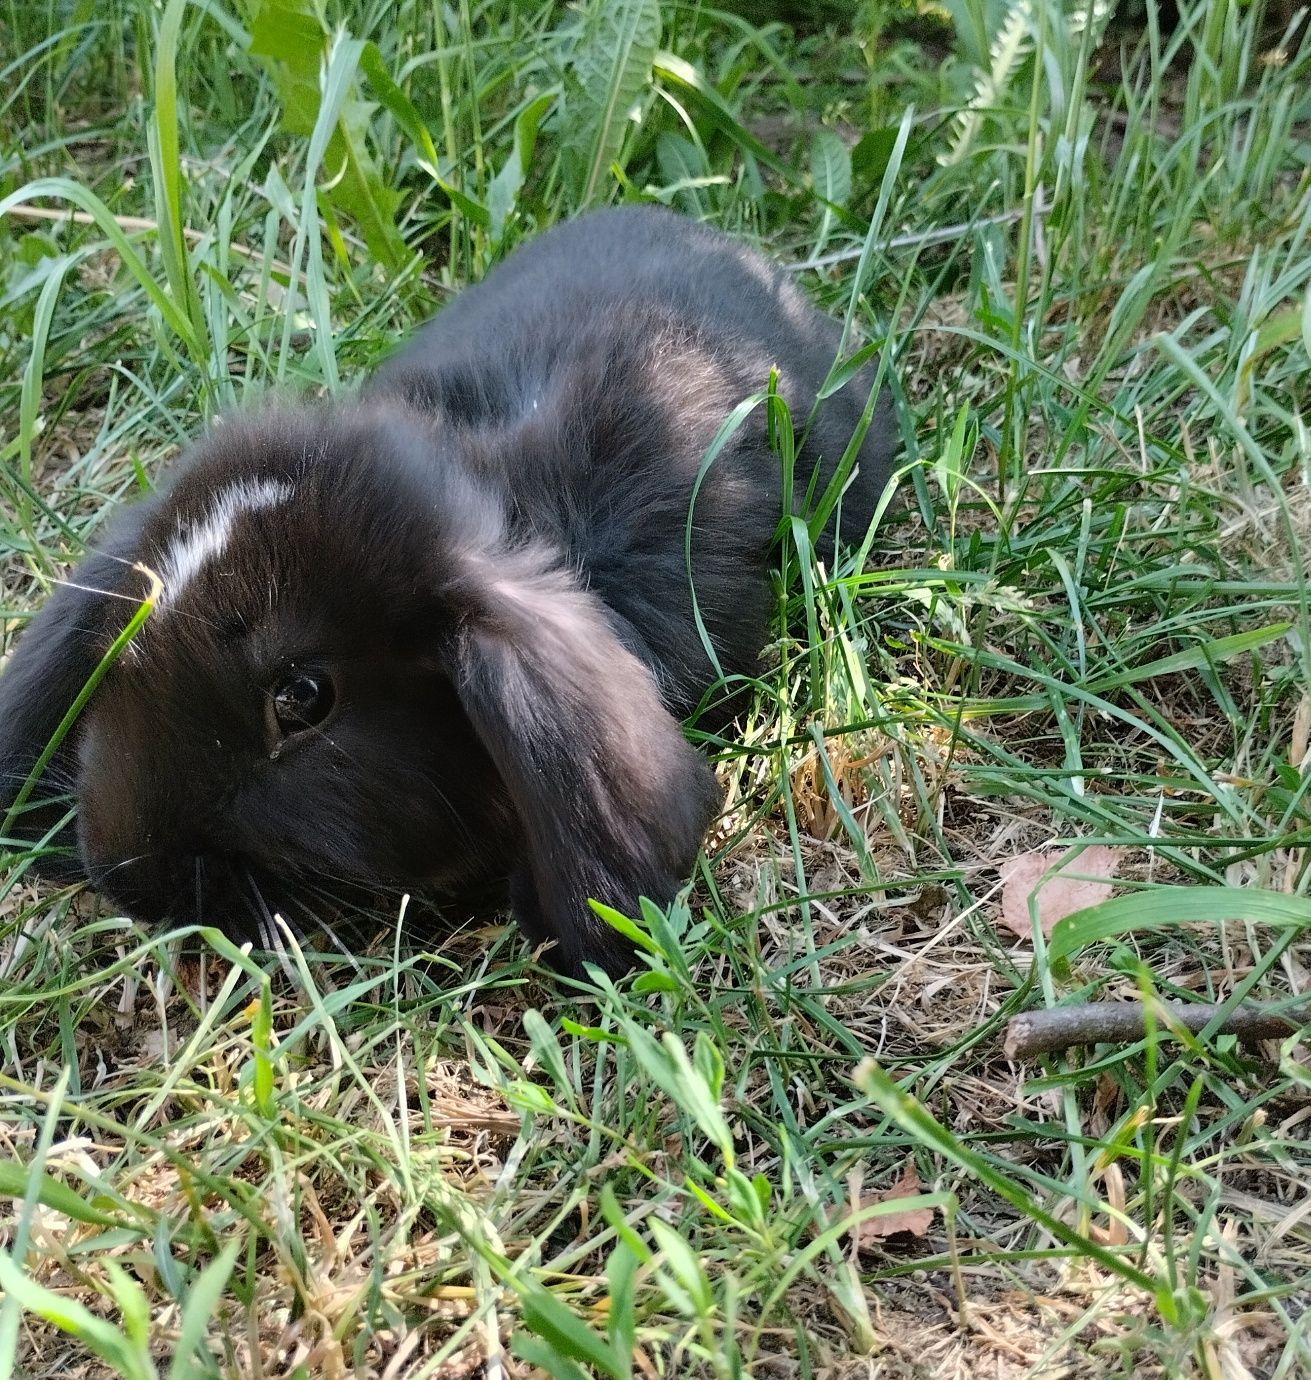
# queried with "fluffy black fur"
point(484, 557)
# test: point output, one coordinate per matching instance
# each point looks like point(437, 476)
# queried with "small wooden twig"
point(1118, 1022)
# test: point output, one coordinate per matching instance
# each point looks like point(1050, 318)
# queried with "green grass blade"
point(1156, 908)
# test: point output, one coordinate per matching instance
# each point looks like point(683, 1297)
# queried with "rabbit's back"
point(569, 295)
point(562, 284)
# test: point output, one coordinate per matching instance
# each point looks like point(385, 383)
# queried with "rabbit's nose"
point(182, 889)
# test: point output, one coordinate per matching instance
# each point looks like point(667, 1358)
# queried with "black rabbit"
point(447, 631)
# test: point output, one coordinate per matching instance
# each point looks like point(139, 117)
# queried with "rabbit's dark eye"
point(302, 700)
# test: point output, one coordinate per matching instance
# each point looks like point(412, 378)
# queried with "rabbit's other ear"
point(55, 657)
point(612, 800)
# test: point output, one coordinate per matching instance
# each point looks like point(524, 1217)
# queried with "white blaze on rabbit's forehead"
point(205, 540)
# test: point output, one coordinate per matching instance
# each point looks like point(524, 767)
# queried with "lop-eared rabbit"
point(446, 630)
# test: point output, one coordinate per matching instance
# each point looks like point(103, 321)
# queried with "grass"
point(1090, 621)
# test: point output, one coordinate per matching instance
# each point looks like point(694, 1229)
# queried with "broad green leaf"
point(261, 1038)
point(634, 933)
point(614, 1215)
point(830, 174)
point(950, 463)
point(667, 1065)
point(871, 154)
point(555, 1322)
point(709, 1064)
point(621, 1277)
point(529, 1097)
point(291, 37)
point(587, 1032)
point(844, 371)
point(608, 70)
point(683, 169)
point(133, 1306)
point(468, 206)
point(503, 193)
point(694, 1092)
point(545, 1358)
point(1277, 330)
point(357, 187)
point(547, 1048)
point(656, 982)
point(398, 105)
point(692, 1292)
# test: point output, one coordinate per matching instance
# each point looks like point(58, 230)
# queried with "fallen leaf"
point(913, 1221)
point(1059, 894)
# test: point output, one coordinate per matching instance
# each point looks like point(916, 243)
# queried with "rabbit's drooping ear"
point(612, 799)
point(56, 655)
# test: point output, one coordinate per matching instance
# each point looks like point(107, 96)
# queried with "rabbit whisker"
point(268, 927)
point(122, 862)
point(337, 943)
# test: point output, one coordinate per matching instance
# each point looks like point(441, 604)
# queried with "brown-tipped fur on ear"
point(612, 799)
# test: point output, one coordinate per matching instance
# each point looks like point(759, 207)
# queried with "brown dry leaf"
point(1059, 895)
point(916, 1221)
